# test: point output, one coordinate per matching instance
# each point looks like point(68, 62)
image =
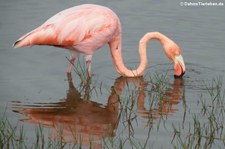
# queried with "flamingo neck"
point(117, 54)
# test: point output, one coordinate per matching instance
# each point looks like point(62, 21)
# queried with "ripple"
point(197, 77)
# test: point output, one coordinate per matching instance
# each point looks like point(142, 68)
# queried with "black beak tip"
point(179, 76)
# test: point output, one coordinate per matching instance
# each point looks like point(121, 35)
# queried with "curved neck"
point(116, 52)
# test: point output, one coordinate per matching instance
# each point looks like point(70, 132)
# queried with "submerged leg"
point(88, 59)
point(73, 56)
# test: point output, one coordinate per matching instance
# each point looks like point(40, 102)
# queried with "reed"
point(206, 129)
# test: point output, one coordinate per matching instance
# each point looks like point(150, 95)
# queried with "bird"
point(85, 28)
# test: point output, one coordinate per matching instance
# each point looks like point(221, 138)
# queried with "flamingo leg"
point(73, 56)
point(88, 59)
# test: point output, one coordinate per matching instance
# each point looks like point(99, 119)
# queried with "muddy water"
point(34, 87)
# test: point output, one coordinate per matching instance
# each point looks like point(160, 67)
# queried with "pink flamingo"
point(86, 28)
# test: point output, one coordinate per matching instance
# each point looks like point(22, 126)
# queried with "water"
point(34, 86)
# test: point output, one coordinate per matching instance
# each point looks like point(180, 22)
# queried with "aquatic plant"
point(206, 129)
point(148, 104)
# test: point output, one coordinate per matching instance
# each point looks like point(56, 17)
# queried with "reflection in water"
point(78, 119)
point(161, 103)
point(75, 119)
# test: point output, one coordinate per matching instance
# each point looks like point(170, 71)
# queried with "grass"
point(8, 134)
point(146, 104)
point(79, 68)
point(206, 130)
point(16, 136)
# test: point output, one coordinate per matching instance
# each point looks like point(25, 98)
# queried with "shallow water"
point(34, 86)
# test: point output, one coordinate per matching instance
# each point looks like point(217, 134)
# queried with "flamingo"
point(86, 28)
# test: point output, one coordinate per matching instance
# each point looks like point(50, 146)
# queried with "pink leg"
point(71, 61)
point(88, 59)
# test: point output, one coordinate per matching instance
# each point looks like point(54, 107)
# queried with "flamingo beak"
point(179, 66)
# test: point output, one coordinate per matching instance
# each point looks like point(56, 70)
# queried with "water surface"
point(34, 86)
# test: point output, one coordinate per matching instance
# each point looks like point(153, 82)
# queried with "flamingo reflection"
point(165, 104)
point(83, 121)
point(75, 119)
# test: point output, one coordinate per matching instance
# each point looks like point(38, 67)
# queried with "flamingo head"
point(174, 53)
point(179, 66)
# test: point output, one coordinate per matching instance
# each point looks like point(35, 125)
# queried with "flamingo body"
point(83, 28)
point(86, 28)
